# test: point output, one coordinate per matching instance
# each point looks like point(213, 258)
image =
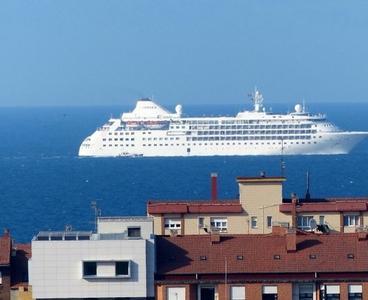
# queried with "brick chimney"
point(362, 235)
point(290, 238)
point(215, 238)
point(214, 187)
point(279, 230)
point(6, 232)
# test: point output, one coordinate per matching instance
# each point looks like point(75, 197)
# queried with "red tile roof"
point(327, 206)
point(194, 207)
point(5, 250)
point(181, 255)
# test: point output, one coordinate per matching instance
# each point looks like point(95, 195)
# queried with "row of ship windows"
point(117, 145)
point(116, 139)
point(160, 139)
point(122, 133)
point(222, 144)
point(213, 122)
point(209, 144)
point(222, 138)
point(232, 132)
point(255, 132)
point(280, 126)
point(225, 130)
point(246, 138)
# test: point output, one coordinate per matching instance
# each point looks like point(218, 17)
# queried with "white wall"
point(55, 269)
point(121, 224)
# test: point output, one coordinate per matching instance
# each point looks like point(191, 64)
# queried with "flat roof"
point(242, 179)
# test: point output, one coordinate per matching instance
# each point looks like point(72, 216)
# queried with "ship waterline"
point(152, 131)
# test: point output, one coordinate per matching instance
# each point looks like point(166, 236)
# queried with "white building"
point(115, 262)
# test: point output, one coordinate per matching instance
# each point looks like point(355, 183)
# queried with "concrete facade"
point(87, 266)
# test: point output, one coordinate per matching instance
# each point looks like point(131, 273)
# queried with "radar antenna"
point(257, 99)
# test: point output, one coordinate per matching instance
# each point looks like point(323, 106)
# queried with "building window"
point(200, 222)
point(219, 224)
point(89, 268)
point(269, 292)
point(172, 223)
point(122, 268)
point(237, 292)
point(134, 232)
point(330, 292)
point(321, 220)
point(306, 292)
point(355, 292)
point(1, 278)
point(253, 221)
point(176, 293)
point(304, 222)
point(351, 220)
point(269, 221)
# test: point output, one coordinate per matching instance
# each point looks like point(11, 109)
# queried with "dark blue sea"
point(45, 186)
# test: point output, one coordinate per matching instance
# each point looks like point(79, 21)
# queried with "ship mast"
point(257, 99)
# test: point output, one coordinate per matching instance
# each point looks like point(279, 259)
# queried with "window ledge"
point(106, 277)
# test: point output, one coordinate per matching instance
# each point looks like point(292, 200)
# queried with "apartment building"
point(260, 206)
point(282, 265)
point(115, 262)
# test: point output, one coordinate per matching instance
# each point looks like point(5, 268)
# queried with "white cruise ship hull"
point(152, 131)
point(325, 144)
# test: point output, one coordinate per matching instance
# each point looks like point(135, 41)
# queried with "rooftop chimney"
point(215, 238)
point(291, 241)
point(6, 232)
point(213, 187)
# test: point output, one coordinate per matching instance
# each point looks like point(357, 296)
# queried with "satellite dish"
point(313, 224)
point(179, 109)
point(298, 108)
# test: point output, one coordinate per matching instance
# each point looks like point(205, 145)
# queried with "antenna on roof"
point(97, 212)
point(307, 193)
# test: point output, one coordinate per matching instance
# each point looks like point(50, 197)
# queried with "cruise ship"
point(151, 130)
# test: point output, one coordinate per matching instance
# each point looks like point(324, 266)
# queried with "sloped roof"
point(335, 205)
point(167, 207)
point(182, 254)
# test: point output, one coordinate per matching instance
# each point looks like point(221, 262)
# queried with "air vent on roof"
point(239, 257)
point(203, 257)
point(312, 256)
point(277, 257)
point(350, 256)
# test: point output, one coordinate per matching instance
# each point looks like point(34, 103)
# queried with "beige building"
point(260, 206)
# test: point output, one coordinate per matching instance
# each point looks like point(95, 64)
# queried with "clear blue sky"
point(88, 52)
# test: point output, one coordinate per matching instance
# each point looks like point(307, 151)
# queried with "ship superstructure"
point(151, 130)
